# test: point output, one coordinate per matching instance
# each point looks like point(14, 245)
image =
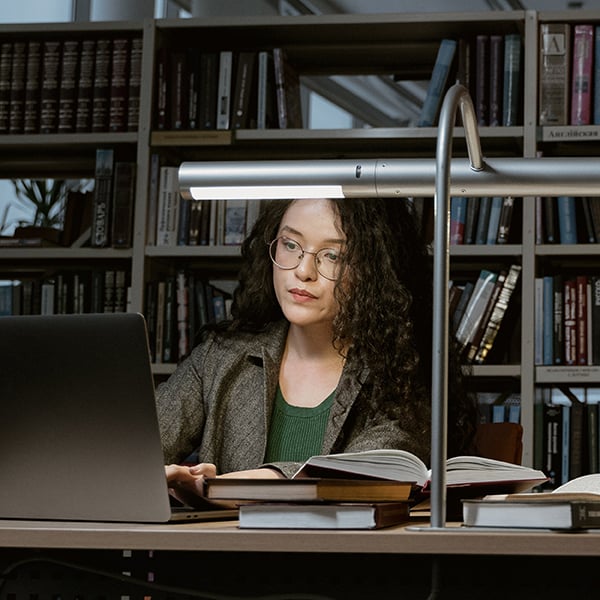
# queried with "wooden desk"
point(336, 564)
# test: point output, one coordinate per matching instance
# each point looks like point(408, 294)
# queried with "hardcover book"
point(371, 515)
point(69, 75)
point(437, 84)
point(496, 80)
point(224, 91)
point(573, 505)
point(512, 80)
point(308, 489)
point(581, 74)
point(17, 87)
point(119, 85)
point(101, 217)
point(101, 87)
point(85, 86)
point(31, 117)
point(51, 58)
point(287, 86)
point(134, 84)
point(554, 73)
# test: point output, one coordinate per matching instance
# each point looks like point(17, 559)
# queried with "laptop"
point(79, 436)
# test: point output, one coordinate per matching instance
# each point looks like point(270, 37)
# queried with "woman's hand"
point(186, 483)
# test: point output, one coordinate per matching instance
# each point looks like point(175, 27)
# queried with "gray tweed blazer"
point(220, 399)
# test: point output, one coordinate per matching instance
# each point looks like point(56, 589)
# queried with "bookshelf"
point(402, 46)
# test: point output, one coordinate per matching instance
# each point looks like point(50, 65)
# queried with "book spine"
point(287, 90)
point(162, 89)
point(581, 77)
point(570, 322)
point(437, 84)
point(477, 338)
point(182, 311)
point(496, 80)
point(505, 222)
point(178, 93)
point(554, 73)
point(31, 117)
point(224, 89)
point(498, 313)
point(101, 217)
point(51, 59)
point(170, 323)
point(471, 217)
point(207, 100)
point(475, 307)
point(548, 320)
point(595, 325)
point(596, 77)
point(482, 76)
point(168, 207)
point(123, 201)
point(589, 235)
point(551, 234)
point(134, 84)
point(581, 282)
point(494, 221)
point(69, 75)
point(102, 82)
point(512, 80)
point(17, 88)
point(458, 215)
point(538, 295)
point(567, 221)
point(483, 219)
point(244, 88)
point(558, 321)
point(119, 84)
point(85, 86)
point(6, 49)
point(193, 88)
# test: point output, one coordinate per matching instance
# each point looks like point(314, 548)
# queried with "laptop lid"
point(80, 438)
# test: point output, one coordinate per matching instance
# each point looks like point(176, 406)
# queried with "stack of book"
point(362, 490)
point(574, 505)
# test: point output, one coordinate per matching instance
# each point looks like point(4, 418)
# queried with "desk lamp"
point(441, 177)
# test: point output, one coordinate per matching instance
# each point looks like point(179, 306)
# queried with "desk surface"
point(414, 538)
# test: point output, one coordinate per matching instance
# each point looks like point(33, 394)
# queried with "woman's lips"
point(301, 295)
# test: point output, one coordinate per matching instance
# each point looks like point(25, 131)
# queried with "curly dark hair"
point(384, 321)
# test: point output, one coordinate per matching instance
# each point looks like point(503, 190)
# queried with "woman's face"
point(305, 296)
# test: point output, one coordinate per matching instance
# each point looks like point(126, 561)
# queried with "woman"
point(329, 349)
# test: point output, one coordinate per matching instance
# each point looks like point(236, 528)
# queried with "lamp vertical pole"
point(457, 96)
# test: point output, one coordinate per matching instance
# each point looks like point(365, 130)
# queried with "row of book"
point(567, 312)
point(486, 220)
point(70, 85)
point(184, 222)
point(477, 310)
point(177, 306)
point(566, 419)
point(226, 90)
point(66, 292)
point(504, 407)
point(569, 90)
point(567, 220)
point(490, 67)
point(113, 201)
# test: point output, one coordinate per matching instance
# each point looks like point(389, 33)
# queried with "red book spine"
point(581, 80)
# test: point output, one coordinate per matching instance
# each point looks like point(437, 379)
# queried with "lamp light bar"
point(266, 192)
point(369, 178)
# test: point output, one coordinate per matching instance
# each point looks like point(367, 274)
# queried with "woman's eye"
point(290, 245)
point(331, 255)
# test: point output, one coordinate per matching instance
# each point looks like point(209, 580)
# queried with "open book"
point(400, 465)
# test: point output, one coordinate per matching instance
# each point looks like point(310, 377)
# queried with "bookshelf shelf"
point(399, 46)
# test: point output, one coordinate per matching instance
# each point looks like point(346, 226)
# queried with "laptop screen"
point(80, 438)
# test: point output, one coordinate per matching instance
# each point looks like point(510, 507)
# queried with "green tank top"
point(296, 433)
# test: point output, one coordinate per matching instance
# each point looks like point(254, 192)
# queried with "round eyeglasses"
point(287, 254)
